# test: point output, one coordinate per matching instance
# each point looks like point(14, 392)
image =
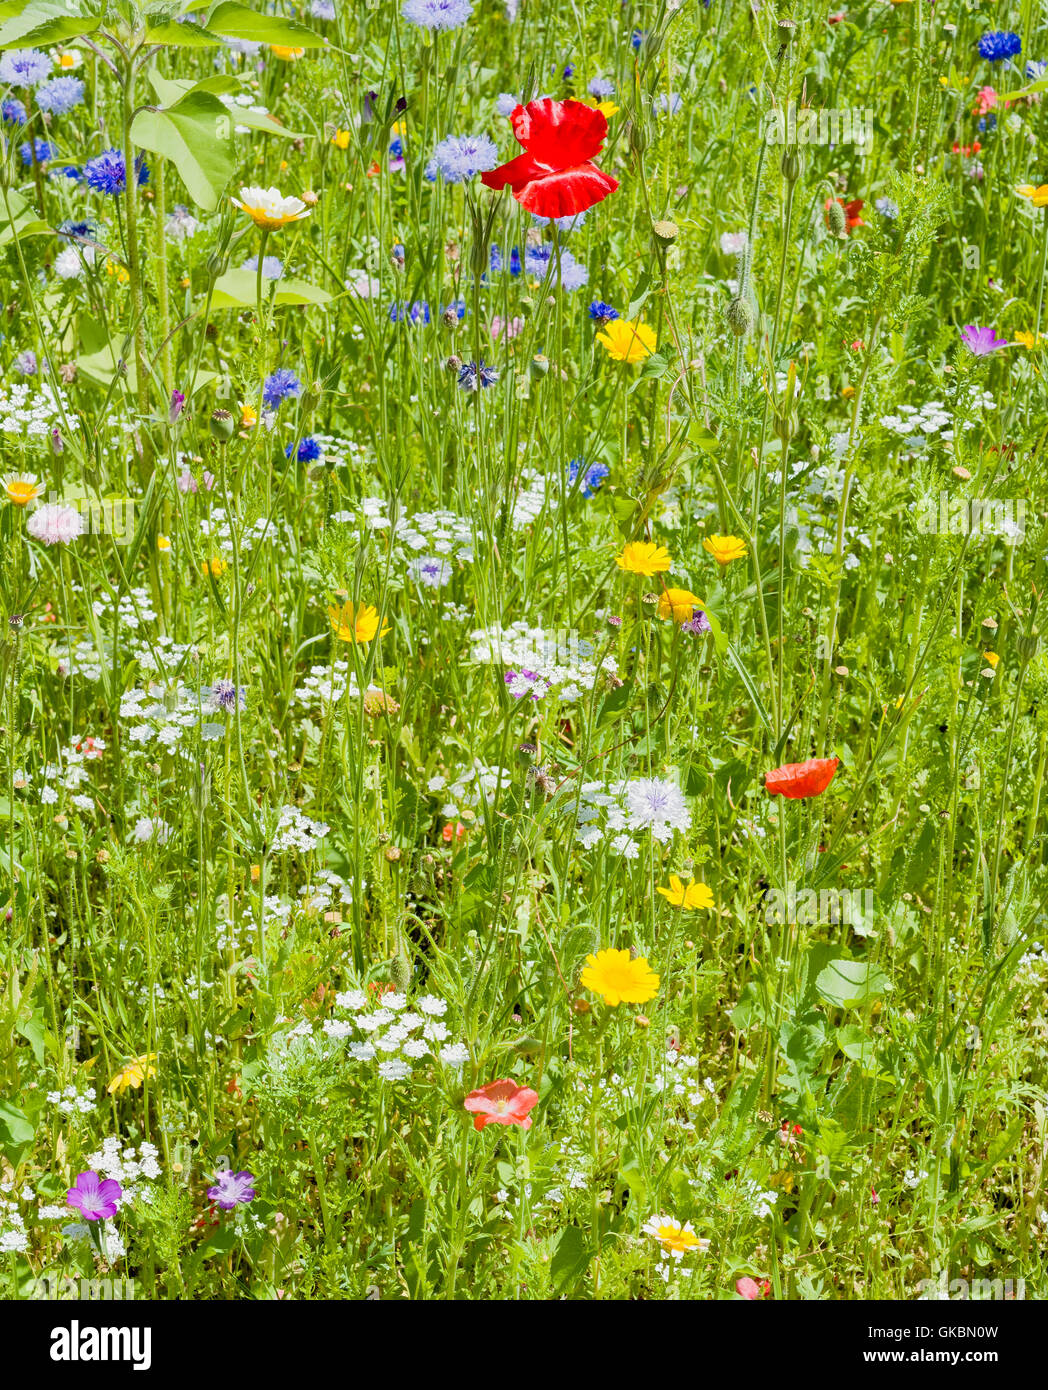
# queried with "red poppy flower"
point(554, 177)
point(501, 1103)
point(851, 212)
point(797, 780)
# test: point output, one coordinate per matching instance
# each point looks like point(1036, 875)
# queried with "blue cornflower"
point(537, 261)
point(396, 148)
point(570, 223)
point(988, 122)
point(437, 14)
point(456, 307)
point(280, 385)
point(224, 695)
point(1035, 68)
point(106, 172)
point(24, 67)
point(272, 266)
point(322, 9)
point(637, 38)
point(888, 208)
point(594, 475)
point(460, 158)
point(506, 104)
point(999, 45)
point(497, 261)
point(602, 313)
point(473, 375)
point(44, 151)
point(601, 88)
point(308, 451)
point(13, 112)
point(72, 172)
point(669, 103)
point(417, 312)
point(76, 231)
point(569, 72)
point(60, 95)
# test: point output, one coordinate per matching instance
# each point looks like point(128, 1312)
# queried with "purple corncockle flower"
point(178, 400)
point(981, 341)
point(95, 1198)
point(523, 683)
point(698, 623)
point(231, 1188)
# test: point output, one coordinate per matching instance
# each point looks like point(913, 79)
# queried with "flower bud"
point(741, 318)
point(792, 165)
point(836, 220)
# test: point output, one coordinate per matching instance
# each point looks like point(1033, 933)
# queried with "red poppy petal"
point(516, 172)
point(798, 780)
point(566, 192)
point(560, 133)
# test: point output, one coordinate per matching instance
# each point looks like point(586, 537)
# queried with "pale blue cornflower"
point(459, 158)
point(437, 14)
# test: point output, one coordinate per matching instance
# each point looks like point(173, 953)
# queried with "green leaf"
point(171, 90)
point(857, 1045)
point(189, 133)
point(748, 682)
point(570, 1260)
point(15, 1131)
point(46, 22)
point(237, 22)
point(175, 35)
point(848, 984)
point(236, 290)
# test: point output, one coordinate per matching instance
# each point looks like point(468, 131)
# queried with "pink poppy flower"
point(501, 1103)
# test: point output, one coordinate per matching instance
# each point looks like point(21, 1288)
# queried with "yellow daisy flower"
point(678, 604)
point(695, 895)
point(619, 979)
point(627, 341)
point(724, 549)
point(132, 1074)
point(675, 1239)
point(644, 557)
point(356, 625)
point(1037, 195)
point(289, 55)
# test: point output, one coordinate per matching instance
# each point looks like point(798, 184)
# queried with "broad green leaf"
point(189, 133)
point(171, 90)
point(236, 290)
point(175, 35)
point(46, 22)
point(848, 984)
point(570, 1260)
point(237, 22)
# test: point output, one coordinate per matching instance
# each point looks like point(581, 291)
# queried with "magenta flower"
point(981, 341)
point(231, 1188)
point(95, 1198)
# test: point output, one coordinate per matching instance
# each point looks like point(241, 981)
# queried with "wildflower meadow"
point(523, 715)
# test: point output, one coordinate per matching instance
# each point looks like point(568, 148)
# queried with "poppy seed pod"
point(222, 426)
point(665, 232)
point(741, 318)
point(836, 219)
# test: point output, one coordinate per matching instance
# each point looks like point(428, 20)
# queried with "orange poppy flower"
point(501, 1103)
